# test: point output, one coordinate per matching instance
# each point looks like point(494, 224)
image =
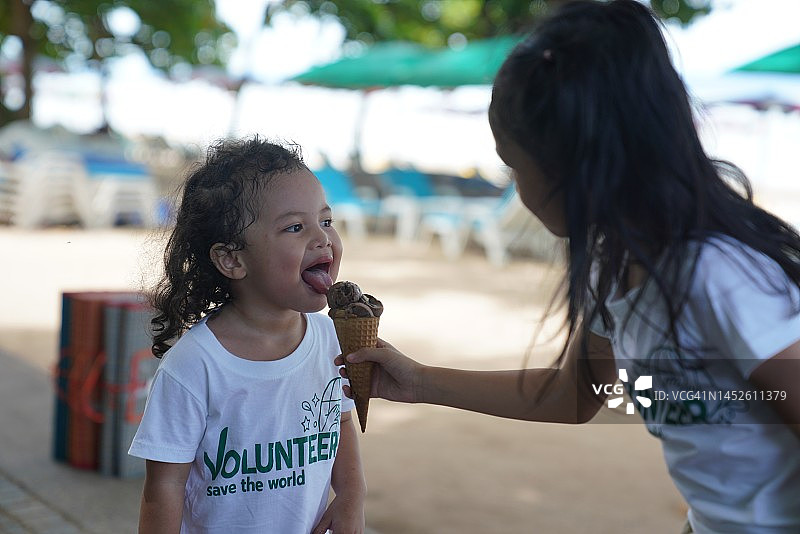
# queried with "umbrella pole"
point(361, 116)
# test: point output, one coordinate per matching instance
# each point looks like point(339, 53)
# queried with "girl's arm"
point(563, 395)
point(781, 373)
point(346, 512)
point(162, 499)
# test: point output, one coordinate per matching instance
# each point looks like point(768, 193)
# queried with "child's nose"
point(322, 239)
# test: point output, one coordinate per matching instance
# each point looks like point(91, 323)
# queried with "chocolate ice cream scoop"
point(374, 304)
point(341, 294)
point(346, 299)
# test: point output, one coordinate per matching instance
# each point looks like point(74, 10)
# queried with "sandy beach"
point(429, 469)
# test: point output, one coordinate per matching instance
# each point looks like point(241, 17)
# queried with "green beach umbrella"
point(393, 64)
point(476, 63)
point(387, 64)
point(783, 61)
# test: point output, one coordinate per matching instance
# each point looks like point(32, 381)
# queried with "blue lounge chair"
point(351, 204)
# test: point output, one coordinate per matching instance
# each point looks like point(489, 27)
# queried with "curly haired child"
point(245, 428)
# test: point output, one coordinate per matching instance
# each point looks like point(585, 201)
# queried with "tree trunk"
point(22, 21)
point(6, 115)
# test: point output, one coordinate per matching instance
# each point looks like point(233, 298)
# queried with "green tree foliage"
point(76, 33)
point(436, 22)
point(683, 10)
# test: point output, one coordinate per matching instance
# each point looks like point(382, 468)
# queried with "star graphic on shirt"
point(305, 423)
point(315, 399)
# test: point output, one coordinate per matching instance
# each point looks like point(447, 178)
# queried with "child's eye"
point(327, 223)
point(294, 228)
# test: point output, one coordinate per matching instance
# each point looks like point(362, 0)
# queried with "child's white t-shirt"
point(261, 435)
point(733, 459)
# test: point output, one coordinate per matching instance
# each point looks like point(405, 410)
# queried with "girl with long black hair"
point(676, 282)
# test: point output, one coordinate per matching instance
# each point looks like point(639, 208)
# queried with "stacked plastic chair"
point(8, 188)
point(47, 189)
point(51, 187)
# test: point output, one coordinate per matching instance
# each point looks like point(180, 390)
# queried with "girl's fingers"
point(384, 344)
point(346, 390)
point(362, 355)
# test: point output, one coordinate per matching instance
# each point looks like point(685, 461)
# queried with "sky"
point(289, 46)
point(735, 32)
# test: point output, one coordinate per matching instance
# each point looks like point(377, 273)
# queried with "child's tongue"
point(318, 279)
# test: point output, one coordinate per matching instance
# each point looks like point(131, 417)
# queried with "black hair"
point(592, 97)
point(219, 201)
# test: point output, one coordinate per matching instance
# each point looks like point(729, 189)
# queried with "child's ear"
point(227, 261)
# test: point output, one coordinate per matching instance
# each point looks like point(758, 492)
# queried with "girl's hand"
point(345, 515)
point(394, 377)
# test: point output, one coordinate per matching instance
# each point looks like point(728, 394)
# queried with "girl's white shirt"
point(261, 436)
point(732, 458)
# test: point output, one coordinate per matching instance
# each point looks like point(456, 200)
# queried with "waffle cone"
point(356, 333)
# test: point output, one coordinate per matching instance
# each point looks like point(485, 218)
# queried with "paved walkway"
point(22, 512)
point(38, 494)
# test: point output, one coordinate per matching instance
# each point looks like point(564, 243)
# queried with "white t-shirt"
point(261, 436)
point(734, 461)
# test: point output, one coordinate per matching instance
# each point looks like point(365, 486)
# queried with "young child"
point(245, 428)
point(672, 273)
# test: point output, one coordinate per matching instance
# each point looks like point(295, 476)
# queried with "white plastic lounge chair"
point(410, 194)
point(498, 225)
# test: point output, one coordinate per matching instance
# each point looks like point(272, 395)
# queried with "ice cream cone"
point(356, 333)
